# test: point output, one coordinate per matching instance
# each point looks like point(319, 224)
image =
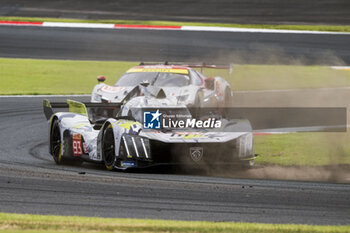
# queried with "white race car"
point(183, 82)
point(126, 140)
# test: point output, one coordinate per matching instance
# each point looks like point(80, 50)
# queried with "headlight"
point(182, 98)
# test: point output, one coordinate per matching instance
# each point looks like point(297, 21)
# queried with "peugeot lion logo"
point(196, 153)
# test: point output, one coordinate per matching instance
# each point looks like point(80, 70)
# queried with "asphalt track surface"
point(181, 46)
point(228, 11)
point(30, 182)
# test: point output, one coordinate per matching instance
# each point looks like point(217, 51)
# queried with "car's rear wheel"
point(228, 98)
point(195, 109)
point(197, 101)
point(108, 148)
point(56, 142)
point(57, 146)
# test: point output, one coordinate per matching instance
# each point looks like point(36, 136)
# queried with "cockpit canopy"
point(135, 107)
point(159, 79)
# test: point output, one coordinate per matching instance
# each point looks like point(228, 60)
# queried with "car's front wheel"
point(228, 98)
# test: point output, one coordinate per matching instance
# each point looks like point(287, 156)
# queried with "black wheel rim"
point(108, 147)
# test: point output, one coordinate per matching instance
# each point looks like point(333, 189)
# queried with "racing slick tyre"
point(197, 101)
point(228, 98)
point(56, 142)
point(247, 164)
point(196, 106)
point(227, 103)
point(108, 148)
point(56, 145)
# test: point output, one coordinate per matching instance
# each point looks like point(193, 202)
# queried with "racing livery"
point(189, 86)
point(121, 141)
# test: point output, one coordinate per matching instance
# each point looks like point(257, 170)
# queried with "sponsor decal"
point(161, 70)
point(128, 164)
point(188, 135)
point(196, 153)
point(112, 89)
point(77, 145)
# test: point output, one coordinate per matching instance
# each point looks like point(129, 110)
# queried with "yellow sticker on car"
point(161, 70)
point(190, 135)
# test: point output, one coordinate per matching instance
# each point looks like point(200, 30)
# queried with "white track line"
point(77, 25)
point(155, 27)
point(347, 68)
point(257, 30)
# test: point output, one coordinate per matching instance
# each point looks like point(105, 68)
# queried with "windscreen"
point(133, 79)
point(171, 80)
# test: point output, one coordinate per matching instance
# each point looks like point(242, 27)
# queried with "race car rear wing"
point(200, 66)
point(229, 67)
point(79, 107)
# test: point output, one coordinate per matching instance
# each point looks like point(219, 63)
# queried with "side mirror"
point(210, 84)
point(101, 79)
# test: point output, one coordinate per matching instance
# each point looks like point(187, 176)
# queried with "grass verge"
point(30, 76)
point(35, 76)
point(303, 149)
point(331, 28)
point(44, 223)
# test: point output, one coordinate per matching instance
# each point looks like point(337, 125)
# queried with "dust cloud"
point(331, 173)
point(335, 171)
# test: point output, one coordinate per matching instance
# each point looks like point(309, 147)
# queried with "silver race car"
point(143, 131)
point(189, 86)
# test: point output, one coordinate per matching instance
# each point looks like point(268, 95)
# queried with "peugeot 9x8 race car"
point(189, 86)
point(124, 139)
